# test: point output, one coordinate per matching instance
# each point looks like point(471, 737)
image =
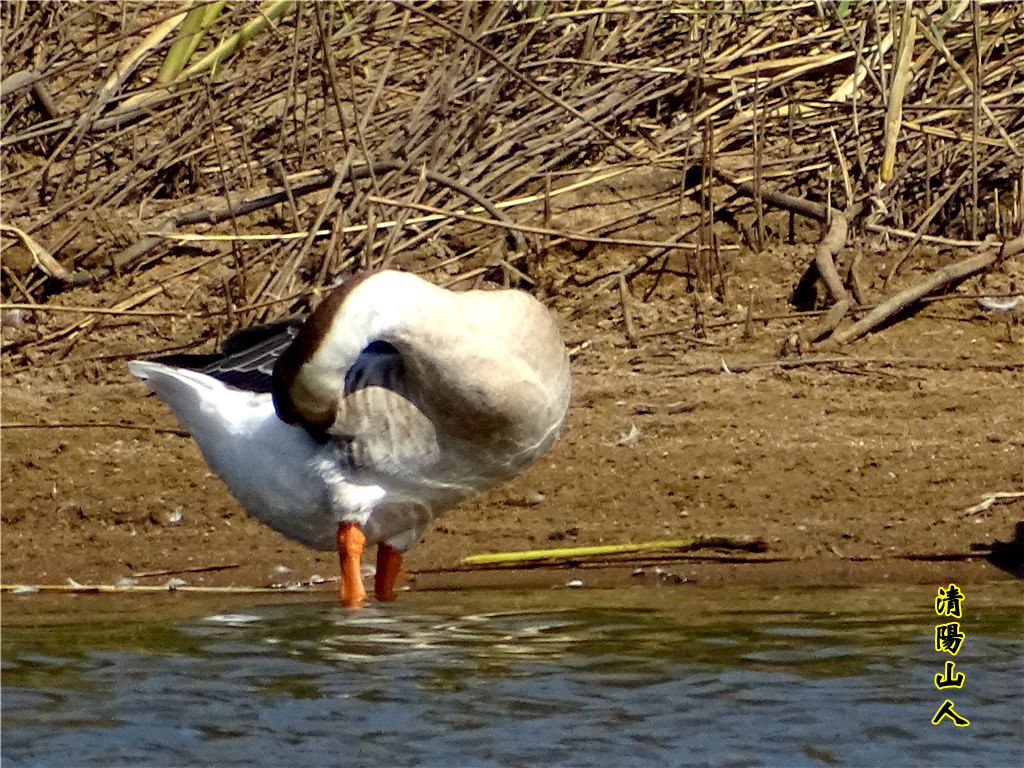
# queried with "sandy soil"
point(843, 469)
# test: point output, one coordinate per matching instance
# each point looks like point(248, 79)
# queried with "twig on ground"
point(833, 240)
point(946, 277)
point(990, 499)
point(621, 552)
point(92, 425)
point(802, 362)
point(76, 588)
point(624, 241)
point(195, 569)
point(627, 311)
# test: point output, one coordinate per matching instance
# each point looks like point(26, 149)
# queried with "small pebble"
point(574, 583)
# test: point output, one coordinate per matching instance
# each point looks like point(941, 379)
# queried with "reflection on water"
point(674, 677)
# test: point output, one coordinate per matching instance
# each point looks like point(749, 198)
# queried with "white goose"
point(394, 400)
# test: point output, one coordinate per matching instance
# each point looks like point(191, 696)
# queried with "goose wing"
point(377, 426)
point(249, 355)
point(246, 358)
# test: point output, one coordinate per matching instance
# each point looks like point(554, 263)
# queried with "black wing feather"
point(246, 358)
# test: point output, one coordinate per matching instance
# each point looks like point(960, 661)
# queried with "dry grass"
point(910, 123)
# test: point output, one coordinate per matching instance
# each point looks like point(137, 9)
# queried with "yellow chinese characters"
point(949, 639)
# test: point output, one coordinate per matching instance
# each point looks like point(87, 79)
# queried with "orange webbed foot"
point(351, 541)
point(389, 562)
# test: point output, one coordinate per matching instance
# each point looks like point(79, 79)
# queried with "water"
point(638, 677)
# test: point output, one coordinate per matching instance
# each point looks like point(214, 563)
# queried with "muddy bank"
point(840, 468)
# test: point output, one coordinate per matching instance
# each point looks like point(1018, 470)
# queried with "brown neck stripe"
point(305, 345)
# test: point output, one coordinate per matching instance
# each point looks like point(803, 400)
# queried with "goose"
point(393, 401)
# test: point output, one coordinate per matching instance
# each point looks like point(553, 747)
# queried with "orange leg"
point(389, 561)
point(351, 541)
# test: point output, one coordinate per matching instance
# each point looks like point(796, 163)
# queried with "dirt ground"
point(854, 470)
point(844, 469)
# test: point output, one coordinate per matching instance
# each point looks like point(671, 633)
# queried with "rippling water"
point(661, 677)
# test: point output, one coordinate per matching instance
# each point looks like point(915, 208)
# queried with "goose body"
point(393, 401)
